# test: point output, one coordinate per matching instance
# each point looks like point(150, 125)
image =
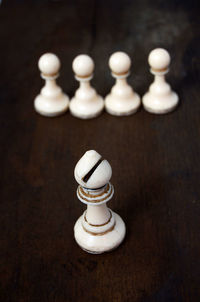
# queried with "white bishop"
point(99, 229)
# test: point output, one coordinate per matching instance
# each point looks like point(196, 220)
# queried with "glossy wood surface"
point(155, 159)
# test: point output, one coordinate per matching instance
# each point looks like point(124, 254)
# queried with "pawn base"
point(160, 105)
point(87, 110)
point(51, 107)
point(98, 244)
point(122, 107)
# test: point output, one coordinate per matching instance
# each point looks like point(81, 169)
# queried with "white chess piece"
point(51, 101)
point(122, 100)
point(99, 229)
point(86, 103)
point(160, 98)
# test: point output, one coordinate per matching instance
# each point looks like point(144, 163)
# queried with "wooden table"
point(155, 159)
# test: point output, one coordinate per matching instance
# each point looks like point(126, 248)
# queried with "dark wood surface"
point(155, 159)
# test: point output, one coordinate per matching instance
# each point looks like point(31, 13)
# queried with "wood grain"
point(155, 159)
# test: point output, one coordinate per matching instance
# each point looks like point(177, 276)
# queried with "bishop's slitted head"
point(92, 171)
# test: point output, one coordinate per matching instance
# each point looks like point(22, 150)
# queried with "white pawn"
point(99, 229)
point(122, 100)
point(86, 103)
point(160, 98)
point(51, 101)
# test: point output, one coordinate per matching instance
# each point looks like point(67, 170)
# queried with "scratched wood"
point(155, 159)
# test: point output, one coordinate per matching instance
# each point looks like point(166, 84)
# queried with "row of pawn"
point(121, 101)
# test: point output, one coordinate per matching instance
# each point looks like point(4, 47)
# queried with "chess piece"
point(86, 103)
point(160, 98)
point(99, 229)
point(122, 100)
point(51, 101)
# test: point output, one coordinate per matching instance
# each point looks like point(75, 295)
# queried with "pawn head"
point(83, 66)
point(159, 59)
point(49, 64)
point(91, 171)
point(120, 63)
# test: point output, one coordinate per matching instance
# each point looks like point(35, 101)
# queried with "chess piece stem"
point(98, 214)
point(51, 89)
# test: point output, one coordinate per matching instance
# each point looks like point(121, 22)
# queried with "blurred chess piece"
point(122, 100)
point(51, 101)
point(86, 103)
point(99, 229)
point(160, 98)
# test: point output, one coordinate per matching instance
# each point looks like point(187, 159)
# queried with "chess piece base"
point(122, 107)
point(160, 104)
point(86, 110)
point(98, 244)
point(51, 107)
